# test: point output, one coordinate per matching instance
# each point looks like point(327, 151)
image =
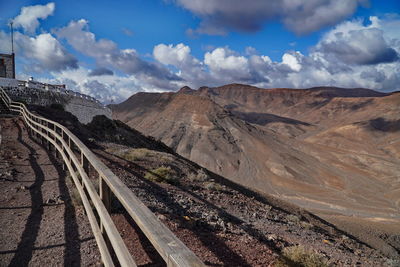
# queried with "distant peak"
point(185, 89)
point(238, 86)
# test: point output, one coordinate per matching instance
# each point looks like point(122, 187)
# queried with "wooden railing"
point(78, 159)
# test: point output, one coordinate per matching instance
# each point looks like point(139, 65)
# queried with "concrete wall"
point(82, 106)
point(85, 110)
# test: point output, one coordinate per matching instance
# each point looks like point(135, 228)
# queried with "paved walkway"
point(39, 224)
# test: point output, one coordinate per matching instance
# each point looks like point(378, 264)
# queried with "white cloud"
point(353, 43)
point(291, 61)
point(106, 88)
point(335, 67)
point(30, 15)
point(224, 59)
point(39, 53)
point(107, 54)
point(174, 55)
point(349, 55)
point(45, 51)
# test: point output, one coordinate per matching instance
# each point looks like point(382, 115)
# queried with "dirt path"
point(39, 224)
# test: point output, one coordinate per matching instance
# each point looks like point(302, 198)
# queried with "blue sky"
point(112, 49)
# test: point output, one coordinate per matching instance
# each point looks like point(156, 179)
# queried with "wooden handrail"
point(171, 249)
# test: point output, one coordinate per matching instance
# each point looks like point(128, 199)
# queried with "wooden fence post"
point(85, 163)
point(105, 193)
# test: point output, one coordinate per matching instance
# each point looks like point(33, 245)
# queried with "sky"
point(113, 49)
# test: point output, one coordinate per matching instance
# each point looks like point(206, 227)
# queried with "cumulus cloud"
point(372, 63)
point(39, 53)
point(223, 62)
point(291, 61)
point(47, 51)
point(106, 88)
point(351, 54)
point(191, 70)
point(354, 43)
point(107, 53)
point(300, 16)
point(29, 17)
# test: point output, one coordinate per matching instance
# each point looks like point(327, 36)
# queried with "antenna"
point(12, 49)
point(12, 37)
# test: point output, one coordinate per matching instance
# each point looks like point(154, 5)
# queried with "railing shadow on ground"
point(72, 243)
point(72, 252)
point(25, 247)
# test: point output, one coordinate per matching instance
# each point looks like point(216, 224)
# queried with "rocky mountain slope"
point(330, 150)
point(224, 223)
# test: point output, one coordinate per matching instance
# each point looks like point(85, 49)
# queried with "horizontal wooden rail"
point(68, 146)
point(6, 99)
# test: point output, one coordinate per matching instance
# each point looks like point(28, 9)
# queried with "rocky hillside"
point(224, 223)
point(330, 150)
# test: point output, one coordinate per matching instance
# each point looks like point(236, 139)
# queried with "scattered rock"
point(50, 201)
point(22, 187)
point(161, 217)
point(60, 200)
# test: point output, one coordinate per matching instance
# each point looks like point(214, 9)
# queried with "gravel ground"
point(39, 224)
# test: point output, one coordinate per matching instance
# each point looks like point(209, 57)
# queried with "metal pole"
point(12, 37)
point(12, 48)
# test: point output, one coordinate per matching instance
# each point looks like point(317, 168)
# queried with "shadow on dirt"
point(25, 247)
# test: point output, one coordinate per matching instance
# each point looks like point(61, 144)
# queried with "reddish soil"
point(39, 224)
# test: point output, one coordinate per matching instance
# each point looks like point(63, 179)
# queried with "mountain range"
point(332, 151)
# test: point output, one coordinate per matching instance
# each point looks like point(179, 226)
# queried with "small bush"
point(299, 256)
point(213, 186)
point(306, 225)
point(293, 219)
point(200, 176)
point(136, 154)
point(162, 175)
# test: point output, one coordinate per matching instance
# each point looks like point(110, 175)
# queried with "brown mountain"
point(331, 150)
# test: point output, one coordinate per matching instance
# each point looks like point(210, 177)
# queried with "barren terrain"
point(333, 151)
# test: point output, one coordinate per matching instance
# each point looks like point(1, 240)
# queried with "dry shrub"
point(199, 176)
point(136, 154)
point(293, 219)
point(299, 256)
point(213, 186)
point(162, 175)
